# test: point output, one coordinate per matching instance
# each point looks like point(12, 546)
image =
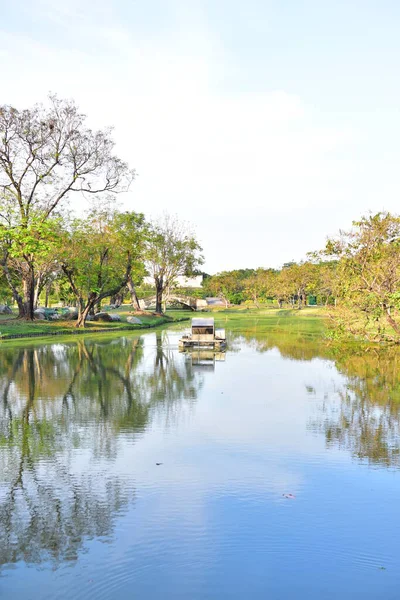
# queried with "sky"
point(266, 124)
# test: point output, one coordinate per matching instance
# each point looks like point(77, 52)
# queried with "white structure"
point(203, 334)
point(181, 281)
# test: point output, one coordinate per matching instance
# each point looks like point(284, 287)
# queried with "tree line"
point(48, 155)
point(295, 285)
point(356, 274)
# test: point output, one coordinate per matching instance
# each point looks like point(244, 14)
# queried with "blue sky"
point(268, 125)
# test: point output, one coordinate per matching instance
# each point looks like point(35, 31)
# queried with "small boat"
point(203, 335)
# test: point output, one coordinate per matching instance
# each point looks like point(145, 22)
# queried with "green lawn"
point(308, 322)
point(11, 326)
point(311, 319)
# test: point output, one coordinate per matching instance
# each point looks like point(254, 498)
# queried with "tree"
point(47, 153)
point(220, 285)
point(229, 285)
point(261, 285)
point(172, 250)
point(296, 281)
point(133, 233)
point(28, 257)
point(97, 256)
point(369, 273)
point(327, 281)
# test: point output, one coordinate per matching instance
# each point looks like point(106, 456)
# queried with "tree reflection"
point(62, 410)
point(365, 420)
point(172, 378)
point(297, 345)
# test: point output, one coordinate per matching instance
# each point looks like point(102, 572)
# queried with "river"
point(130, 470)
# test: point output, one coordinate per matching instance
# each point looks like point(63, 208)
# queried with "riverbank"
point(13, 328)
point(308, 322)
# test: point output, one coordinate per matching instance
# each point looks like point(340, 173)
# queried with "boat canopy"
point(202, 322)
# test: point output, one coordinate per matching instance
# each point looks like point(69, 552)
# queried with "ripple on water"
point(214, 515)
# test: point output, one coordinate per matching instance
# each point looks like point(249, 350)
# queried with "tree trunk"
point(132, 292)
point(46, 298)
point(80, 306)
point(81, 322)
point(84, 311)
point(20, 304)
point(17, 297)
point(299, 300)
point(37, 290)
point(119, 299)
point(159, 295)
point(28, 286)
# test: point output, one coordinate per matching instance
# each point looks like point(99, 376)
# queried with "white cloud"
point(240, 166)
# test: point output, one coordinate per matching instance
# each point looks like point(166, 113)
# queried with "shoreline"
point(18, 336)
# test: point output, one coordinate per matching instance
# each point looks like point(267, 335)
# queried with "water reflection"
point(202, 359)
point(63, 408)
point(82, 424)
point(366, 420)
point(363, 414)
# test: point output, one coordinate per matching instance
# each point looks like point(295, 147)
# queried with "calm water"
point(279, 478)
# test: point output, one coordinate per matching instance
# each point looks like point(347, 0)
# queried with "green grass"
point(306, 325)
point(239, 319)
point(11, 326)
point(308, 322)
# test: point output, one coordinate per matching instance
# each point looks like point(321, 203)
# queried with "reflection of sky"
point(212, 522)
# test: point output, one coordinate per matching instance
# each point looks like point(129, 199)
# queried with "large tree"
point(368, 274)
point(97, 258)
point(230, 286)
point(28, 257)
point(133, 231)
point(296, 281)
point(261, 285)
point(46, 154)
point(172, 250)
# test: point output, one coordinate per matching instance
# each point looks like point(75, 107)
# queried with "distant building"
point(181, 281)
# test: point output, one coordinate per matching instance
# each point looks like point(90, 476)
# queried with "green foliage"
point(99, 253)
point(294, 283)
point(229, 285)
point(46, 154)
point(33, 241)
point(368, 277)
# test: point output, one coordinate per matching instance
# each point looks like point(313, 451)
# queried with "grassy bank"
point(11, 327)
point(308, 322)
